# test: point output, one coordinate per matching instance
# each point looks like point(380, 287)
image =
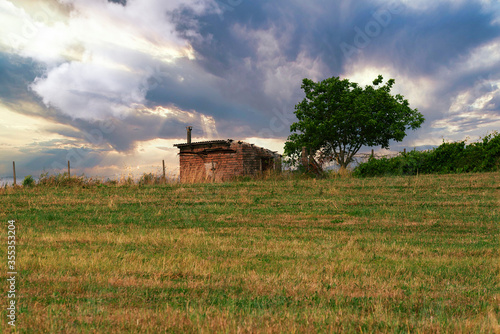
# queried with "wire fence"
point(364, 157)
point(358, 158)
point(13, 179)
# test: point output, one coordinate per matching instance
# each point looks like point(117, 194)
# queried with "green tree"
point(338, 117)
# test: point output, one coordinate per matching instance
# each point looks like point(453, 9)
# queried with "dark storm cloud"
point(318, 28)
point(187, 87)
point(494, 105)
point(48, 159)
point(251, 58)
point(421, 43)
point(16, 74)
point(121, 2)
point(417, 43)
point(418, 40)
point(218, 46)
point(121, 134)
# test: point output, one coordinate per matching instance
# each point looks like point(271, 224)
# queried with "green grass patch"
point(391, 254)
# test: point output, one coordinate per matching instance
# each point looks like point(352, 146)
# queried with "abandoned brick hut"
point(221, 160)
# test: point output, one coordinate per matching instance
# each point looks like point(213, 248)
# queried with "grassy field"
point(392, 255)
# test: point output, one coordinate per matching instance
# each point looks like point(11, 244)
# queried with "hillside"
point(412, 254)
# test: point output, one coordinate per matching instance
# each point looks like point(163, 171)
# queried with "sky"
point(112, 85)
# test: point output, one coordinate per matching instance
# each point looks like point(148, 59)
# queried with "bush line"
point(448, 158)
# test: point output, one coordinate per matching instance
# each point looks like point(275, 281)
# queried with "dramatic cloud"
point(118, 77)
point(119, 44)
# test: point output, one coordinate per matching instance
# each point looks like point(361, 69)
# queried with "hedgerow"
point(455, 157)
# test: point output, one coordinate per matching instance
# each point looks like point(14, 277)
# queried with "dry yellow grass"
point(401, 254)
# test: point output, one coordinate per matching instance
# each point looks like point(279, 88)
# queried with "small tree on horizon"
point(338, 117)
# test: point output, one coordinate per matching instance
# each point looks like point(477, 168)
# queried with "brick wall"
point(222, 161)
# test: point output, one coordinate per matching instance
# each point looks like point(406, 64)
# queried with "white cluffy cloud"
point(99, 55)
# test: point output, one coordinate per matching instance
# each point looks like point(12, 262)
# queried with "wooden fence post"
point(14, 169)
point(69, 172)
point(164, 179)
point(372, 152)
point(405, 151)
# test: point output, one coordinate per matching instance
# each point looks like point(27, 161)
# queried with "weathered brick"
point(222, 160)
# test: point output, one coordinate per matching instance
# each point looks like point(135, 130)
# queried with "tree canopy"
point(337, 117)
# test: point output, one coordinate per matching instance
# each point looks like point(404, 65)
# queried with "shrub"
point(28, 181)
point(126, 181)
point(150, 178)
point(456, 157)
point(111, 182)
point(63, 180)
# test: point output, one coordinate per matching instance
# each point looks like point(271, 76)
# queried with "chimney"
point(189, 128)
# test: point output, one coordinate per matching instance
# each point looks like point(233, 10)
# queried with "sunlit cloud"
point(103, 43)
point(149, 68)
